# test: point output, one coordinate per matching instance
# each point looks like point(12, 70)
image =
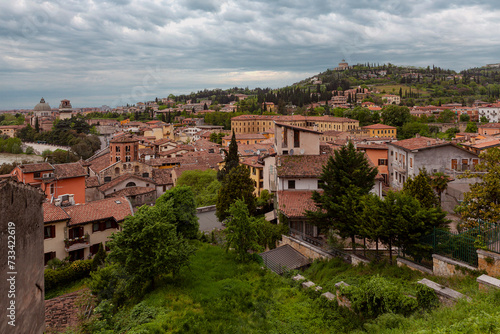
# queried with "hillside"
point(218, 295)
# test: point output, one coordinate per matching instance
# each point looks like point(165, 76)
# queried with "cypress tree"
point(231, 160)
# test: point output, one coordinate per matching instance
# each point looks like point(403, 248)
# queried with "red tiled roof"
point(69, 170)
point(294, 203)
point(122, 178)
point(297, 128)
point(301, 165)
point(117, 208)
point(91, 181)
point(52, 213)
point(100, 163)
point(419, 143)
point(133, 191)
point(244, 136)
point(378, 126)
point(162, 176)
point(39, 167)
point(124, 139)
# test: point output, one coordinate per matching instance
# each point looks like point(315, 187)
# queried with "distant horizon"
point(232, 86)
point(124, 51)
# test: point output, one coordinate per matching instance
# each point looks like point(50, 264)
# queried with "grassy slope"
point(218, 295)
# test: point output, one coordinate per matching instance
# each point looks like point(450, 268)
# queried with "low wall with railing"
point(444, 266)
point(305, 248)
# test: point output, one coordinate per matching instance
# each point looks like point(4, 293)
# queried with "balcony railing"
point(81, 242)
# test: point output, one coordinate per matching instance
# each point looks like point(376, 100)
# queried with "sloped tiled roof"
point(100, 163)
point(115, 207)
point(133, 191)
point(301, 165)
point(69, 170)
point(122, 178)
point(378, 126)
point(91, 182)
point(162, 176)
point(294, 203)
point(420, 143)
point(39, 167)
point(52, 213)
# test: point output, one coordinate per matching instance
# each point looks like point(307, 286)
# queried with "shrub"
point(76, 270)
point(426, 297)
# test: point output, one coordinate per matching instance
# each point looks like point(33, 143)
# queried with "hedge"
point(74, 271)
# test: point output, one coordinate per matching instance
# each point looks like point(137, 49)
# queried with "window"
point(37, 174)
point(107, 179)
point(291, 184)
point(145, 174)
point(52, 188)
point(454, 164)
point(130, 184)
point(49, 256)
point(117, 169)
point(94, 249)
point(49, 231)
point(75, 232)
point(102, 226)
point(117, 148)
point(320, 184)
point(382, 162)
point(411, 162)
point(296, 138)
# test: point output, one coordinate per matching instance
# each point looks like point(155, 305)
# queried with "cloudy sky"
point(123, 51)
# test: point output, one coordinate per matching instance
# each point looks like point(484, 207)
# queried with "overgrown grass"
point(216, 294)
point(66, 288)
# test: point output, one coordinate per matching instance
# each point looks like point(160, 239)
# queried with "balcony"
point(77, 243)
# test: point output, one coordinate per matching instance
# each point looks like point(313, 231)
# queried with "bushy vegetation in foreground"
point(217, 294)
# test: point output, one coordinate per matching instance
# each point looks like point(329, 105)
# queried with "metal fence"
point(462, 246)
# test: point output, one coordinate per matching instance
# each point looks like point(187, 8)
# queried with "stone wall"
point(413, 266)
point(22, 205)
point(488, 261)
point(305, 249)
point(486, 282)
point(443, 266)
point(445, 295)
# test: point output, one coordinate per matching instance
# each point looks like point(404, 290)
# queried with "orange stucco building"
point(56, 181)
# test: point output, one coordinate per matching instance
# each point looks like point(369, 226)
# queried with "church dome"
point(42, 106)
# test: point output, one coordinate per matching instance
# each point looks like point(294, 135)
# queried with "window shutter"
point(53, 231)
point(70, 234)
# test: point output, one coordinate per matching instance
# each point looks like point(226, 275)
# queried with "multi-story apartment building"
point(260, 123)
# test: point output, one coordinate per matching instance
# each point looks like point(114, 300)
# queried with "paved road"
point(208, 221)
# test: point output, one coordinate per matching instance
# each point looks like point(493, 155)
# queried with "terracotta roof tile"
point(378, 126)
point(133, 191)
point(39, 167)
point(294, 203)
point(100, 163)
point(162, 176)
point(52, 213)
point(69, 170)
point(419, 143)
point(117, 208)
point(301, 165)
point(91, 181)
point(121, 178)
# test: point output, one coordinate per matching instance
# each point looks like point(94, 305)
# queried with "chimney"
point(428, 143)
point(473, 141)
point(417, 135)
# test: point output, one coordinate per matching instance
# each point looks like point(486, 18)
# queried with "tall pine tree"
point(346, 177)
point(231, 160)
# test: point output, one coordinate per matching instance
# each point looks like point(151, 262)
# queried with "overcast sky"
point(123, 51)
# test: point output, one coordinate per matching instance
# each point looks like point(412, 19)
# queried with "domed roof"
point(42, 106)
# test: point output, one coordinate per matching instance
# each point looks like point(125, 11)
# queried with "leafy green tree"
point(410, 129)
point(396, 115)
point(484, 120)
point(420, 188)
point(231, 160)
point(204, 185)
point(241, 230)
point(149, 245)
point(405, 221)
point(482, 201)
point(446, 116)
point(235, 185)
point(180, 202)
point(471, 127)
point(451, 132)
point(99, 258)
point(464, 117)
point(347, 177)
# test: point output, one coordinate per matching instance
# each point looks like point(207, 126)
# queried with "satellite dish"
point(291, 151)
point(301, 151)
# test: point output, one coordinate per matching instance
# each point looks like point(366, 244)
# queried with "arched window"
point(130, 184)
point(117, 170)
